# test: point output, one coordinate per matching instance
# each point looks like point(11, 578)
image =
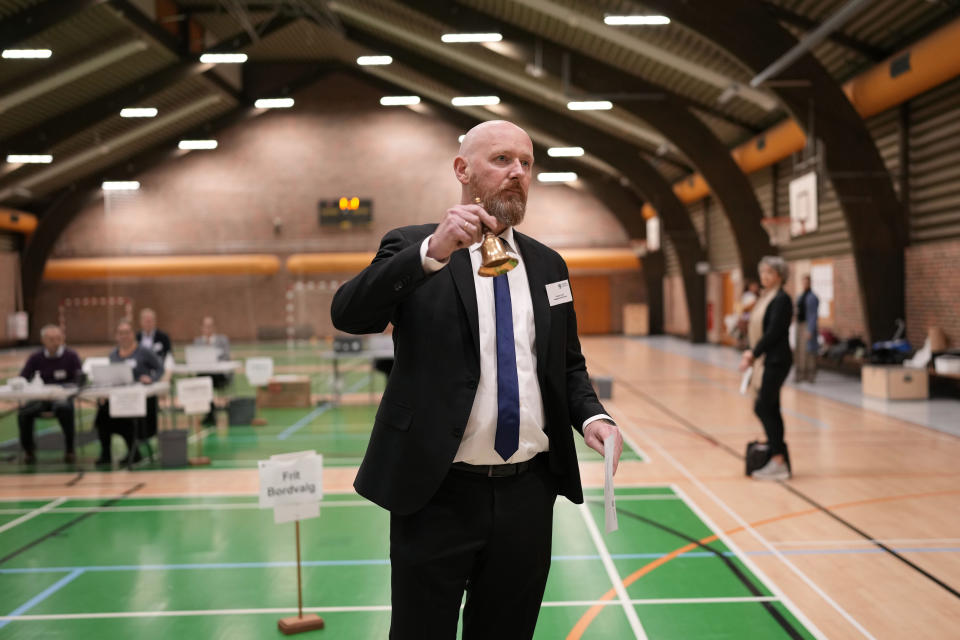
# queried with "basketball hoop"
point(778, 229)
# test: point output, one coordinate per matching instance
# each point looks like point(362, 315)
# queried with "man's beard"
point(506, 206)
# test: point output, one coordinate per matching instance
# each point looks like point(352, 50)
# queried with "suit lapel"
point(536, 277)
point(462, 272)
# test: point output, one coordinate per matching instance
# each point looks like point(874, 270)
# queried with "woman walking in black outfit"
point(771, 358)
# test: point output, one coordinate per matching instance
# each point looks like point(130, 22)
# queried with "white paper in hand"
point(609, 501)
point(745, 381)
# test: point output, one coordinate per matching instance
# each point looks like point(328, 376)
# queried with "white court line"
point(200, 434)
point(32, 514)
point(639, 497)
point(224, 506)
point(767, 582)
point(743, 523)
point(644, 456)
point(612, 573)
point(353, 609)
point(149, 496)
point(862, 541)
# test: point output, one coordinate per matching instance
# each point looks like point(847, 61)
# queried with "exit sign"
point(345, 212)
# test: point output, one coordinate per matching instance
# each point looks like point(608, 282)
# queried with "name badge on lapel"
point(559, 292)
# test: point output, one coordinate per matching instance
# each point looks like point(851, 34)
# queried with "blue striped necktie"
point(508, 388)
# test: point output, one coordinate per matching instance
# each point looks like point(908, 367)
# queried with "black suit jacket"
point(775, 342)
point(161, 343)
point(436, 369)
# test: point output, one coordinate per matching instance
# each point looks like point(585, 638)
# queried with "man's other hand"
point(595, 433)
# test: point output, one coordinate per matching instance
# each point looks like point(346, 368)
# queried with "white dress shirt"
point(146, 340)
point(476, 446)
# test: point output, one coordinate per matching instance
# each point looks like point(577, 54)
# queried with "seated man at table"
point(147, 368)
point(209, 336)
point(55, 364)
point(151, 337)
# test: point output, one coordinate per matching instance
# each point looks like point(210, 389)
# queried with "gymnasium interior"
point(215, 170)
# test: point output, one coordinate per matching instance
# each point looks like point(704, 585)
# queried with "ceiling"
point(110, 54)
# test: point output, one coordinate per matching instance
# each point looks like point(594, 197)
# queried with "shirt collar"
point(506, 234)
point(58, 354)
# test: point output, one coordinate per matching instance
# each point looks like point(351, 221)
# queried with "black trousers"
point(220, 381)
point(28, 413)
point(126, 428)
point(489, 536)
point(767, 405)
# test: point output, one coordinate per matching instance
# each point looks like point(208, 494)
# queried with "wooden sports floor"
point(864, 541)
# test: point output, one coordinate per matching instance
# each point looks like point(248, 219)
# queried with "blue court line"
point(304, 421)
point(386, 561)
point(43, 595)
point(41, 432)
point(820, 424)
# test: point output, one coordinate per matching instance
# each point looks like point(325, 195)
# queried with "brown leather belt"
point(496, 470)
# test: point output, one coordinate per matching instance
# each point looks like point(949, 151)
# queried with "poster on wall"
point(821, 282)
point(653, 234)
point(803, 204)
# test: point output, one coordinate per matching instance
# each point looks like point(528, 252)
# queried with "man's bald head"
point(486, 132)
point(495, 164)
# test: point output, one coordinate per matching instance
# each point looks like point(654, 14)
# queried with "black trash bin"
point(173, 447)
point(241, 411)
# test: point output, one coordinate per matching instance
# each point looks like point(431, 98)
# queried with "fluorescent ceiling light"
point(197, 144)
point(474, 101)
point(27, 53)
point(224, 58)
point(559, 176)
point(14, 158)
point(399, 101)
point(564, 152)
point(618, 21)
point(471, 37)
point(374, 60)
point(122, 185)
point(138, 112)
point(273, 103)
point(590, 105)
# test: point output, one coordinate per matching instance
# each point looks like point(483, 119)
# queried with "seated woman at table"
point(147, 368)
point(55, 364)
point(222, 343)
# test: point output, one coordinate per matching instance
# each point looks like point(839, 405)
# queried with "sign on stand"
point(292, 485)
point(195, 395)
point(259, 371)
point(128, 402)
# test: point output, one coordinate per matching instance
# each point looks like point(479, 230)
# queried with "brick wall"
point(933, 291)
point(277, 166)
point(847, 310)
point(676, 319)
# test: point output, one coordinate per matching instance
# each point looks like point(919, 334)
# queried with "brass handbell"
point(494, 258)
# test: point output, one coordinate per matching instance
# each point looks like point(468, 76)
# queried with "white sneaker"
point(773, 470)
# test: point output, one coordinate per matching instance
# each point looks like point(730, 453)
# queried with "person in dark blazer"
point(771, 358)
point(472, 441)
point(149, 337)
point(147, 368)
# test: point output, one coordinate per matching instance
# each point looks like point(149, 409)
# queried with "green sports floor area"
point(219, 567)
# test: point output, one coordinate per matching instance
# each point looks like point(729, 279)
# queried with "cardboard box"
point(894, 382)
point(636, 320)
point(285, 391)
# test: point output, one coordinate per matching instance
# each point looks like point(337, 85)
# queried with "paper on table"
point(609, 502)
point(745, 381)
